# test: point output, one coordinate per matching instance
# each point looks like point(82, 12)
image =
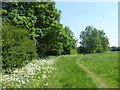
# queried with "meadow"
point(69, 71)
point(104, 65)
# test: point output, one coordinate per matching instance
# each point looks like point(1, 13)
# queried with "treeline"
point(30, 30)
point(114, 48)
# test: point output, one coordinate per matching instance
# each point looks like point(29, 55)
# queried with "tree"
point(68, 40)
point(57, 42)
point(104, 41)
point(40, 18)
point(51, 43)
point(93, 40)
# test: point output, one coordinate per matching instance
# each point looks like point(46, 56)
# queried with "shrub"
point(73, 51)
point(17, 48)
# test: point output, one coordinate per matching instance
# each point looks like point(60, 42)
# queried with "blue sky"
point(101, 15)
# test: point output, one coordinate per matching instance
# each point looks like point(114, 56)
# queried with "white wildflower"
point(44, 76)
point(23, 82)
point(32, 69)
point(38, 77)
point(46, 84)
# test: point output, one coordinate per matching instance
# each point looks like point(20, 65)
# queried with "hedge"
point(17, 48)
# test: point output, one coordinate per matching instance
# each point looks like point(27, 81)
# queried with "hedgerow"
point(17, 48)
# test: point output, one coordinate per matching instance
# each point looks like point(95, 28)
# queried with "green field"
point(104, 65)
point(70, 71)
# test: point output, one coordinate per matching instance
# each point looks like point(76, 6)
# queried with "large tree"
point(42, 20)
point(38, 17)
point(93, 40)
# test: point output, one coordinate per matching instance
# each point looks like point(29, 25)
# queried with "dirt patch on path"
point(99, 81)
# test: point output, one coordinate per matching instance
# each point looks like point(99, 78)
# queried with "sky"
point(101, 15)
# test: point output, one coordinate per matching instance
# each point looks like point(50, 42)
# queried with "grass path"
point(69, 75)
point(99, 81)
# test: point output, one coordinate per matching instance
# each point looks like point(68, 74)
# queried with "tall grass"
point(69, 75)
point(104, 65)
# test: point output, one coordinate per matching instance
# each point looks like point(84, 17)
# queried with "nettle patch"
point(34, 74)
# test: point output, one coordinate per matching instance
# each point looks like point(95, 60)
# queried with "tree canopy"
point(42, 20)
point(93, 40)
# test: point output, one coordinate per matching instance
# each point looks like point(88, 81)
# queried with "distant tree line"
point(114, 48)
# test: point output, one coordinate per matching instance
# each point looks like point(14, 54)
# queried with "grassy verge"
point(104, 65)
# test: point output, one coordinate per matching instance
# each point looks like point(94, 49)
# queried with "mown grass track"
point(69, 75)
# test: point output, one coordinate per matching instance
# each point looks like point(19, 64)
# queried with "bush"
point(82, 49)
point(73, 51)
point(17, 48)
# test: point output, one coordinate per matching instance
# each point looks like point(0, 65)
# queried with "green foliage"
point(74, 51)
point(51, 43)
point(114, 48)
point(81, 49)
point(69, 42)
point(57, 42)
point(93, 40)
point(0, 36)
point(42, 19)
point(38, 17)
point(17, 48)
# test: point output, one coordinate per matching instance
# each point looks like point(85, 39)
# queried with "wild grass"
point(69, 75)
point(104, 65)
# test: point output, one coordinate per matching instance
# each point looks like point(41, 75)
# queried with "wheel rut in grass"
point(98, 80)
